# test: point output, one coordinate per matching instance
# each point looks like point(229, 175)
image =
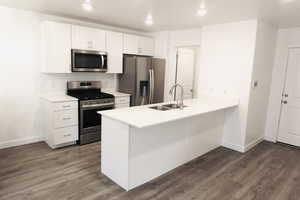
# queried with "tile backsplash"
point(57, 83)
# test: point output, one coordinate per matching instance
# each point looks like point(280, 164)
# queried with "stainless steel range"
point(91, 100)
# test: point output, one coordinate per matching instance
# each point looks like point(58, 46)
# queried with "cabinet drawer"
point(66, 105)
point(123, 105)
point(122, 100)
point(65, 118)
point(65, 135)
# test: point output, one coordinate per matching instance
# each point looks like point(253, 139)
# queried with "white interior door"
point(289, 128)
point(186, 71)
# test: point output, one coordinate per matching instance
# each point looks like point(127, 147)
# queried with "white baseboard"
point(13, 143)
point(253, 144)
point(270, 139)
point(232, 146)
point(241, 148)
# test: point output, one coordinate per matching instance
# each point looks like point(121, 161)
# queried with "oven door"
point(90, 122)
point(89, 61)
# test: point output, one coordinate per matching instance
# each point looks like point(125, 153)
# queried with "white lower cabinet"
point(65, 118)
point(65, 135)
point(60, 123)
point(125, 105)
point(122, 102)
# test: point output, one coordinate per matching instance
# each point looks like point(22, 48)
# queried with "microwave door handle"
point(102, 61)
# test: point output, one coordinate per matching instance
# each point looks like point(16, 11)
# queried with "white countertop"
point(58, 98)
point(115, 93)
point(143, 116)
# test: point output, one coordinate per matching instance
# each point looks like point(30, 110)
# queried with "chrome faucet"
point(179, 103)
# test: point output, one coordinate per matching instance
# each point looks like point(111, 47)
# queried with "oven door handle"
point(102, 105)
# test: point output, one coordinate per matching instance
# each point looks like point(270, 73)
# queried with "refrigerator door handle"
point(152, 88)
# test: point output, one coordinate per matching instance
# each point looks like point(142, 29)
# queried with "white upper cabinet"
point(85, 38)
point(146, 46)
point(56, 47)
point(58, 39)
point(138, 45)
point(131, 44)
point(114, 42)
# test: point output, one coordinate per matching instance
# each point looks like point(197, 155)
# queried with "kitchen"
point(230, 115)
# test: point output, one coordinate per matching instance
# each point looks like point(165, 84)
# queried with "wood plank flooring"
point(267, 172)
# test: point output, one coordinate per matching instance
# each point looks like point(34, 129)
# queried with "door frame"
point(283, 86)
point(197, 54)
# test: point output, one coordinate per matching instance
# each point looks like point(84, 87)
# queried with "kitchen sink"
point(160, 108)
point(166, 107)
point(173, 106)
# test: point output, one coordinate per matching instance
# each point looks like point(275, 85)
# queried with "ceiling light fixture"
point(86, 5)
point(202, 9)
point(201, 12)
point(149, 20)
point(286, 1)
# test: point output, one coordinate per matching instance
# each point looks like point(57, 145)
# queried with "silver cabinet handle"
point(66, 106)
point(67, 118)
point(67, 135)
point(90, 44)
point(140, 50)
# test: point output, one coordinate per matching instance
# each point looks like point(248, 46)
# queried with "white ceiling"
point(168, 14)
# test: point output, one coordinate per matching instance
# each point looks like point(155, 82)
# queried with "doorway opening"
point(289, 127)
point(186, 71)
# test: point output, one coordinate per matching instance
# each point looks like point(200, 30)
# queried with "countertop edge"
point(171, 120)
point(51, 98)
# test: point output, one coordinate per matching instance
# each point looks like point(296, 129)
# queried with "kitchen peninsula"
point(141, 143)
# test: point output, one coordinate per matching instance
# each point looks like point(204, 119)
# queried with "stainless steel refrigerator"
point(144, 79)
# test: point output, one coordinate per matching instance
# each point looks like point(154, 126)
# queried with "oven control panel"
point(97, 103)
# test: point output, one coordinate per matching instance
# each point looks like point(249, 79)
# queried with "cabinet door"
point(146, 46)
point(114, 43)
point(88, 38)
point(56, 51)
point(131, 43)
point(65, 135)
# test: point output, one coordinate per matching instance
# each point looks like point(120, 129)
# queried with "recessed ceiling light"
point(149, 20)
point(202, 12)
point(86, 5)
point(286, 1)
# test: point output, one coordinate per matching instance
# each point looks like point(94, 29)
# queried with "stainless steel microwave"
point(89, 61)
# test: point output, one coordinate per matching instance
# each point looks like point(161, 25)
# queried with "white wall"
point(166, 43)
point(231, 56)
point(226, 64)
point(21, 82)
point(262, 73)
point(287, 38)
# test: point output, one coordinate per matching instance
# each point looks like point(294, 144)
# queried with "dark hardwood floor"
point(269, 171)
